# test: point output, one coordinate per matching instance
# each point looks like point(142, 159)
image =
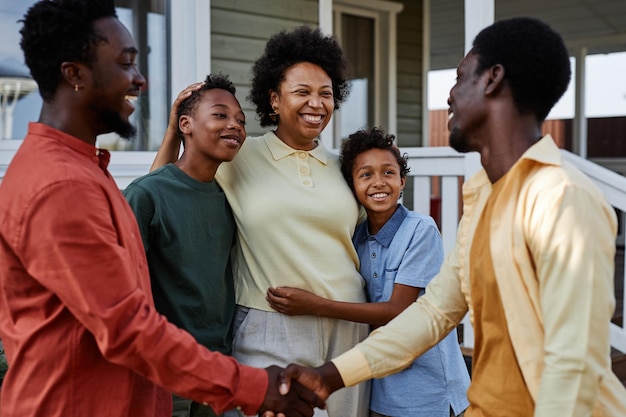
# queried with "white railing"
point(425, 163)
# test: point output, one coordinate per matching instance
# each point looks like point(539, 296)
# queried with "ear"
point(184, 124)
point(402, 183)
point(273, 98)
point(73, 74)
point(495, 79)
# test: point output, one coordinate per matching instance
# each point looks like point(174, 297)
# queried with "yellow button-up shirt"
point(553, 248)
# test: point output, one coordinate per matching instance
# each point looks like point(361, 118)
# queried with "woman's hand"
point(170, 146)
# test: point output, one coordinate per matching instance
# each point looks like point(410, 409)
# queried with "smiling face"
point(215, 129)
point(304, 104)
point(466, 111)
point(115, 80)
point(377, 183)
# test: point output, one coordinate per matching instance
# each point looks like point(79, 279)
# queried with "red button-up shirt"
point(77, 319)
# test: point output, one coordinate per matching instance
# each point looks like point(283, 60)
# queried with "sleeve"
point(73, 244)
point(423, 257)
point(143, 206)
point(572, 241)
point(391, 348)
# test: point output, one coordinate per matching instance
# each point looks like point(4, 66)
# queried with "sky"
point(605, 89)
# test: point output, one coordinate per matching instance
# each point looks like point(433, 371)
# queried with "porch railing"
point(434, 167)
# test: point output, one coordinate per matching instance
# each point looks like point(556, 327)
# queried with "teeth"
point(450, 115)
point(132, 99)
point(380, 195)
point(310, 118)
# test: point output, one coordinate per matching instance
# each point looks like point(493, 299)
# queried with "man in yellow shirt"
point(534, 257)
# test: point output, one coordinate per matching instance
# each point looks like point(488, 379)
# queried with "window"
point(20, 103)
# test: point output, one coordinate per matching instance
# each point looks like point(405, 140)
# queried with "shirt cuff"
point(253, 383)
point(353, 367)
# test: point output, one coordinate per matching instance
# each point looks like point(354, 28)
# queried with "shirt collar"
point(280, 149)
point(100, 156)
point(387, 232)
point(544, 151)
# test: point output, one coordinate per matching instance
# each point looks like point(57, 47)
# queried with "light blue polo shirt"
point(408, 250)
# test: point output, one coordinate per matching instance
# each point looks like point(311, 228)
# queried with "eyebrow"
point(385, 165)
point(224, 106)
point(130, 50)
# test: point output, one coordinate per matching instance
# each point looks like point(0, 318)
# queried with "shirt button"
point(375, 275)
point(302, 155)
point(306, 182)
point(304, 170)
point(373, 254)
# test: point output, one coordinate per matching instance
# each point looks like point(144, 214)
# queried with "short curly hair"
point(364, 140)
point(189, 105)
point(284, 49)
point(57, 31)
point(535, 60)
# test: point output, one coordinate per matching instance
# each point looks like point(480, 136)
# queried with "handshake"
point(296, 390)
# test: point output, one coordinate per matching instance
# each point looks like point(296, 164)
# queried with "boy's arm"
point(294, 301)
point(170, 146)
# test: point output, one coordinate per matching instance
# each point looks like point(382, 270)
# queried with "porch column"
point(478, 15)
point(190, 32)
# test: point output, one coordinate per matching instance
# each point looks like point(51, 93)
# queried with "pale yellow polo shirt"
point(295, 218)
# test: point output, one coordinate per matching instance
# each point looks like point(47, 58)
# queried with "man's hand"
point(297, 401)
point(322, 381)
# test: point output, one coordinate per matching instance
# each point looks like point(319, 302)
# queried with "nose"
point(315, 102)
point(139, 79)
point(379, 181)
point(233, 123)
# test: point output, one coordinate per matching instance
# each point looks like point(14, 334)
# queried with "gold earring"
point(76, 87)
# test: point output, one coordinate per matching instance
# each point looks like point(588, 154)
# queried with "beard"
point(118, 125)
point(458, 141)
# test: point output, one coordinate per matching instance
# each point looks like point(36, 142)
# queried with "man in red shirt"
point(77, 319)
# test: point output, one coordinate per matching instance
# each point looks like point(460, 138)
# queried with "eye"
point(365, 175)
point(327, 94)
point(242, 122)
point(219, 115)
point(390, 172)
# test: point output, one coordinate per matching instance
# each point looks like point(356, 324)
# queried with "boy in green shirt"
point(186, 223)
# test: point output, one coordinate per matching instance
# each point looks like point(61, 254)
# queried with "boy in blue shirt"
point(400, 251)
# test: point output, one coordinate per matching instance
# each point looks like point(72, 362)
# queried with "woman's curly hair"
point(57, 31)
point(364, 140)
point(284, 49)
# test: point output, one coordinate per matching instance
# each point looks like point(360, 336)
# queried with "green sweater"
point(188, 231)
